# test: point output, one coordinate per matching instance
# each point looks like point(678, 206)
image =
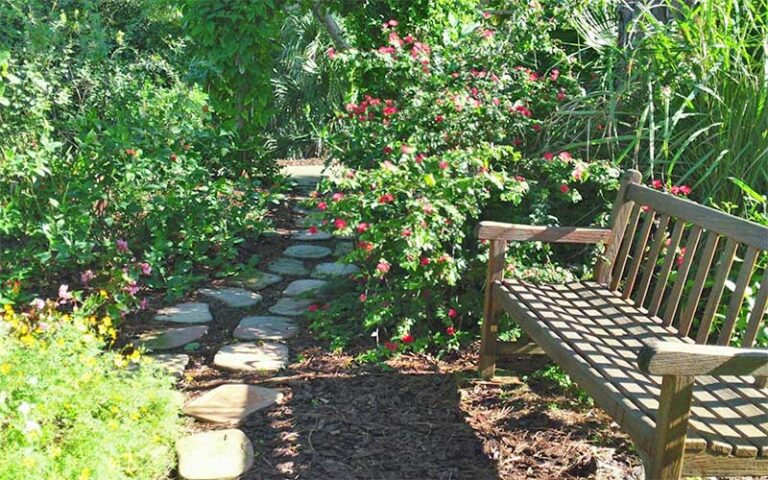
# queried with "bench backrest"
point(675, 258)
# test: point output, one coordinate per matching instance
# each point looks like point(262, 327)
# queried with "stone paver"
point(255, 280)
point(335, 269)
point(232, 297)
point(305, 287)
point(175, 363)
point(308, 236)
point(265, 328)
point(252, 357)
point(307, 251)
point(306, 176)
point(171, 338)
point(232, 403)
point(291, 307)
point(217, 455)
point(288, 266)
point(343, 248)
point(185, 313)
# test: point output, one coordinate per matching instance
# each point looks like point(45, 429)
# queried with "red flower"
point(452, 313)
point(389, 111)
point(420, 158)
point(424, 261)
point(681, 258)
point(657, 184)
point(407, 232)
point(450, 331)
point(383, 267)
point(562, 96)
point(675, 190)
point(130, 151)
point(322, 206)
point(363, 298)
point(517, 142)
point(366, 246)
point(548, 156)
point(312, 230)
point(564, 188)
point(386, 198)
point(386, 50)
point(407, 338)
point(685, 190)
point(439, 118)
point(443, 165)
point(443, 258)
point(362, 227)
point(340, 224)
point(312, 308)
point(337, 196)
point(392, 347)
point(331, 52)
point(524, 111)
point(536, 127)
point(173, 157)
point(387, 150)
point(554, 74)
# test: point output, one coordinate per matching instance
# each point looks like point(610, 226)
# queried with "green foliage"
point(71, 410)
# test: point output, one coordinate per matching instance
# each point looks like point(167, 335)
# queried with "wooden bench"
point(636, 338)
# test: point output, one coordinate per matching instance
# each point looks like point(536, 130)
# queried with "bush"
point(70, 410)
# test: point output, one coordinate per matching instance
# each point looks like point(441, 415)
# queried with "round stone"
point(175, 363)
point(335, 269)
point(251, 357)
point(216, 455)
point(307, 251)
point(304, 287)
point(171, 338)
point(231, 403)
point(265, 328)
point(255, 280)
point(232, 297)
point(308, 236)
point(185, 313)
point(288, 266)
point(291, 307)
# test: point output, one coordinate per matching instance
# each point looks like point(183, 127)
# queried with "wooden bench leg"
point(490, 329)
point(666, 461)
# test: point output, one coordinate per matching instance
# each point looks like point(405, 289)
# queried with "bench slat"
point(707, 256)
point(713, 302)
point(621, 258)
point(737, 297)
point(758, 312)
point(669, 259)
point(682, 275)
point(639, 253)
point(650, 263)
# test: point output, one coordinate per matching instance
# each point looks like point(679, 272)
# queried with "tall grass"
point(687, 102)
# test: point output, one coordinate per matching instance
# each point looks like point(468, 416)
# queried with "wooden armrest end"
point(673, 358)
point(521, 233)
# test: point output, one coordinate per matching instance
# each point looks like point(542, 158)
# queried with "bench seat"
point(595, 335)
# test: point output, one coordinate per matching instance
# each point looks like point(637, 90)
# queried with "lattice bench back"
point(660, 243)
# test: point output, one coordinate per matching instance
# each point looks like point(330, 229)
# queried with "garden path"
point(269, 401)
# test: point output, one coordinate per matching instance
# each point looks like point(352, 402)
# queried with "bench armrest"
point(673, 358)
point(521, 233)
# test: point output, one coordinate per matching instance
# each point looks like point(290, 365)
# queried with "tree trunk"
point(333, 29)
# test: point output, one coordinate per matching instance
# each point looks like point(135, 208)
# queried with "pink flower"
point(130, 151)
point(392, 347)
point(395, 40)
point(536, 127)
point(443, 258)
point(680, 258)
point(523, 110)
point(340, 224)
point(337, 196)
point(331, 52)
point(685, 190)
point(406, 232)
point(386, 198)
point(363, 298)
point(439, 118)
point(561, 96)
point(565, 156)
point(549, 156)
point(443, 165)
point(409, 38)
point(38, 303)
point(64, 294)
point(450, 331)
point(657, 184)
point(144, 304)
point(313, 308)
point(452, 313)
point(386, 50)
point(383, 267)
point(496, 101)
point(420, 158)
point(424, 261)
point(564, 188)
point(578, 173)
point(322, 206)
point(554, 74)
point(122, 245)
point(407, 338)
point(392, 23)
point(389, 111)
point(312, 230)
point(132, 288)
point(428, 209)
point(406, 149)
point(146, 268)
point(675, 190)
point(87, 276)
point(362, 227)
point(487, 33)
point(365, 246)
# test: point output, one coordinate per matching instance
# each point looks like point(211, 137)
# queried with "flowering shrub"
point(70, 410)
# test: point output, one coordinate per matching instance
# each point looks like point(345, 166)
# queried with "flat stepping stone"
point(216, 455)
point(265, 328)
point(175, 363)
point(171, 338)
point(343, 248)
point(251, 357)
point(231, 403)
point(255, 280)
point(291, 307)
point(232, 297)
point(307, 251)
point(185, 313)
point(288, 266)
point(304, 287)
point(334, 269)
point(306, 235)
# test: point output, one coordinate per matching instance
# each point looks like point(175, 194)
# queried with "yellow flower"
point(5, 369)
point(103, 293)
point(135, 356)
point(27, 339)
point(85, 474)
point(28, 462)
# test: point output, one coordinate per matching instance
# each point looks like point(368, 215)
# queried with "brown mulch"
point(416, 417)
